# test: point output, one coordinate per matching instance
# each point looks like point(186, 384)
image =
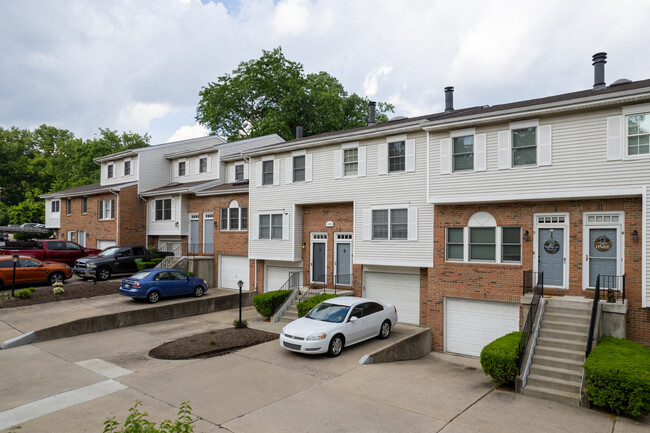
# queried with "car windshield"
point(329, 313)
point(140, 275)
point(109, 252)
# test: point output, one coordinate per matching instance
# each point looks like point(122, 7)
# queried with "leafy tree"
point(273, 95)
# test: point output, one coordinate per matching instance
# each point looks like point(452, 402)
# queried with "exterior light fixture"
point(635, 235)
point(526, 236)
point(240, 283)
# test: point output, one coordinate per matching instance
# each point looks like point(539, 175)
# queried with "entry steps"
point(291, 312)
point(556, 368)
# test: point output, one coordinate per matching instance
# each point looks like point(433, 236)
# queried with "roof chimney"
point(449, 99)
point(298, 131)
point(371, 113)
point(599, 70)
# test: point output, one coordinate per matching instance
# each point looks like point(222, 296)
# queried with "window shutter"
point(209, 163)
point(197, 164)
point(288, 173)
point(112, 208)
point(285, 227)
point(480, 152)
point(367, 224)
point(256, 226)
point(615, 141)
point(245, 171)
point(100, 209)
point(504, 150)
point(413, 224)
point(173, 208)
point(258, 173)
point(231, 174)
point(338, 163)
point(445, 156)
point(544, 145)
point(382, 158)
point(153, 210)
point(308, 168)
point(361, 161)
point(410, 155)
point(276, 172)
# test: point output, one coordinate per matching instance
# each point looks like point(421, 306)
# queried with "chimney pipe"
point(599, 60)
point(449, 99)
point(371, 113)
point(298, 131)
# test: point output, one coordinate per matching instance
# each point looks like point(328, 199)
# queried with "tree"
point(273, 95)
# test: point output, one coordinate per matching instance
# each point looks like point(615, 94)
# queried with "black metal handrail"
point(611, 288)
point(538, 291)
point(293, 282)
point(320, 285)
point(594, 313)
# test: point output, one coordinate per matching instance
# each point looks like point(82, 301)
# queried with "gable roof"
point(92, 189)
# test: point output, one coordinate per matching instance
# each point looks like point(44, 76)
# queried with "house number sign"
point(603, 243)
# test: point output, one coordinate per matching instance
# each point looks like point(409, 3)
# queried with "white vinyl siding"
point(178, 225)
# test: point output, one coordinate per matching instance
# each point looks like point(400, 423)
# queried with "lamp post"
point(240, 283)
point(14, 258)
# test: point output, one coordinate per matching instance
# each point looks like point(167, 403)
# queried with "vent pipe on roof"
point(449, 99)
point(371, 113)
point(599, 60)
point(298, 131)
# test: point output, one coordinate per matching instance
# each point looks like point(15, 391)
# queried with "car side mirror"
point(353, 319)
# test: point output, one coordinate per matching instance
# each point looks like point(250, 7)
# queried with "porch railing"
point(611, 288)
point(533, 283)
point(293, 282)
point(320, 285)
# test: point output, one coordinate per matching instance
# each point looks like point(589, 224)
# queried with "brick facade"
point(503, 282)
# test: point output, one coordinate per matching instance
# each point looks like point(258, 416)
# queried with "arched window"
point(234, 217)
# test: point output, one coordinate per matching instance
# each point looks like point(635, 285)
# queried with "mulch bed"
point(79, 290)
point(211, 343)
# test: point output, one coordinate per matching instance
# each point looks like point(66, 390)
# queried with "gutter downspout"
point(247, 160)
point(146, 221)
point(117, 218)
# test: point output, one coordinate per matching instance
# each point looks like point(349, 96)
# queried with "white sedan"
point(338, 323)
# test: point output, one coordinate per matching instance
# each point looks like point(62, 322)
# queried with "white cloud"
point(186, 132)
point(370, 83)
point(138, 116)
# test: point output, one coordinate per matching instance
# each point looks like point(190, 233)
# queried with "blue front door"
point(551, 256)
point(603, 254)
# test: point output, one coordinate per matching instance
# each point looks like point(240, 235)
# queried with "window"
point(84, 204)
point(463, 153)
point(127, 168)
point(203, 164)
point(455, 243)
point(267, 172)
point(524, 146)
point(299, 168)
point(110, 172)
point(71, 235)
point(482, 245)
point(106, 209)
point(351, 162)
point(511, 244)
point(181, 168)
point(396, 156)
point(234, 218)
point(68, 206)
point(55, 206)
point(163, 209)
point(638, 134)
point(243, 215)
point(271, 226)
point(239, 172)
point(390, 224)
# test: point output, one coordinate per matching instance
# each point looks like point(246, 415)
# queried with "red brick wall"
point(503, 281)
point(133, 214)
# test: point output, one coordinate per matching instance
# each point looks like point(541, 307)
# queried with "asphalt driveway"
point(74, 384)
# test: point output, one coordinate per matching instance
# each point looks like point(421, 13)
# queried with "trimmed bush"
point(617, 374)
point(305, 306)
point(267, 303)
point(23, 293)
point(499, 358)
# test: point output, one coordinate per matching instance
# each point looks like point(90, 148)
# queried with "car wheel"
point(153, 297)
point(56, 277)
point(384, 331)
point(103, 274)
point(198, 291)
point(336, 346)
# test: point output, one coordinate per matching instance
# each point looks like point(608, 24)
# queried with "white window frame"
point(127, 161)
point(178, 167)
point(383, 159)
point(171, 209)
point(543, 145)
point(635, 110)
point(81, 238)
point(71, 235)
point(236, 179)
point(411, 218)
point(462, 259)
point(56, 206)
point(200, 167)
point(106, 209)
point(339, 160)
point(620, 233)
point(271, 173)
point(110, 171)
point(270, 215)
point(228, 219)
point(553, 220)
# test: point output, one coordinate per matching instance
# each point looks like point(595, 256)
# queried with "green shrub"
point(137, 422)
point(31, 289)
point(23, 293)
point(305, 306)
point(30, 236)
point(237, 324)
point(267, 303)
point(499, 358)
point(156, 260)
point(145, 265)
point(617, 374)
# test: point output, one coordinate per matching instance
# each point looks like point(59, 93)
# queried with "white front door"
point(551, 248)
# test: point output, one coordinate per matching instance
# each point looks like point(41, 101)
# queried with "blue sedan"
point(153, 284)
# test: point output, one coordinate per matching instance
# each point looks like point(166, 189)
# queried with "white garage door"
point(277, 276)
point(400, 289)
point(103, 244)
point(231, 270)
point(471, 324)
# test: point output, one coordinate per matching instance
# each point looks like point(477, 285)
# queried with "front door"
point(318, 258)
point(551, 256)
point(603, 253)
point(343, 268)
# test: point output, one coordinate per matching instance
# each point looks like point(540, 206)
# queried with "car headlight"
point(91, 265)
point(205, 283)
point(67, 267)
point(317, 337)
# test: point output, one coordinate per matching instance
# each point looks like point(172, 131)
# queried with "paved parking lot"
point(74, 384)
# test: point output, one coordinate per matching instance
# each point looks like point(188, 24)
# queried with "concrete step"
point(568, 318)
point(563, 335)
point(551, 361)
point(556, 373)
point(565, 326)
point(567, 309)
point(551, 383)
point(568, 398)
point(559, 343)
point(285, 319)
point(560, 353)
point(291, 315)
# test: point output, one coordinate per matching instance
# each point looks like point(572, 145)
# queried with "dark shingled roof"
point(93, 188)
point(224, 188)
point(176, 185)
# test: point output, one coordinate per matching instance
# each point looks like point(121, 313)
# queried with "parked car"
point(114, 260)
point(49, 250)
point(28, 225)
point(338, 323)
point(153, 284)
point(31, 270)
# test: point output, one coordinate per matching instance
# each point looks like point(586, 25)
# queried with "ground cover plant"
point(499, 359)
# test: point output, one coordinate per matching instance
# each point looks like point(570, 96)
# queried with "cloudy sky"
point(138, 65)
